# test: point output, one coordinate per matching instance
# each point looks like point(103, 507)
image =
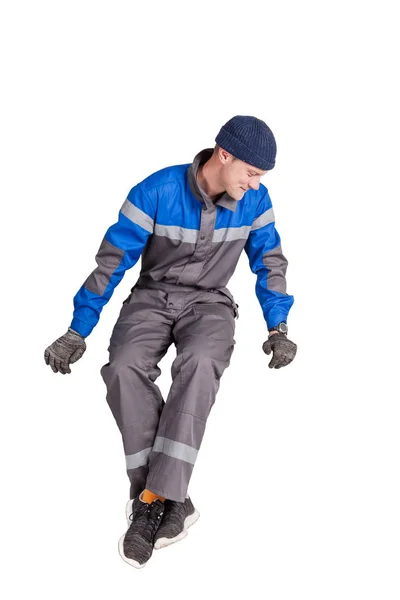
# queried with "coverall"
point(190, 246)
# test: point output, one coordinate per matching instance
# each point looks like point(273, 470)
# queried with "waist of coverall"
point(177, 287)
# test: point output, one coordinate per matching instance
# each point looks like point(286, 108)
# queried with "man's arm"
point(263, 248)
point(120, 249)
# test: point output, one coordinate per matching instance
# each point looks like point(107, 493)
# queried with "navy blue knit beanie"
point(249, 139)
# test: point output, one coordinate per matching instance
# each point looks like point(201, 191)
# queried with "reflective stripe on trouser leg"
point(133, 397)
point(204, 340)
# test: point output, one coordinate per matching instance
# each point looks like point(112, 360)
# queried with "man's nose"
point(255, 184)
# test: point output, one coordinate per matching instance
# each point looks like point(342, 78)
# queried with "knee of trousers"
point(208, 361)
point(130, 392)
point(125, 364)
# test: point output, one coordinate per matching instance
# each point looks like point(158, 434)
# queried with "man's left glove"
point(283, 350)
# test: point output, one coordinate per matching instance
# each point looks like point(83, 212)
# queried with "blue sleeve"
point(120, 250)
point(263, 248)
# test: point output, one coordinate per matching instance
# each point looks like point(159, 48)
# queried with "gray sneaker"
point(177, 518)
point(136, 545)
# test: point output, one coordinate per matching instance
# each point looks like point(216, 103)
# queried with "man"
point(190, 223)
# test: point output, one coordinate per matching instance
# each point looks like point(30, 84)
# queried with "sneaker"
point(177, 518)
point(136, 545)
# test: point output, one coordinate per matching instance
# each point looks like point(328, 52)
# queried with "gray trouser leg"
point(204, 340)
point(136, 347)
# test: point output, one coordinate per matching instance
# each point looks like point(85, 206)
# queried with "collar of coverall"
point(226, 200)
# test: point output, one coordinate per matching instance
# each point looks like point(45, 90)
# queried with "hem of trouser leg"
point(164, 495)
point(137, 493)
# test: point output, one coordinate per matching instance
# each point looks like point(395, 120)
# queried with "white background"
point(297, 481)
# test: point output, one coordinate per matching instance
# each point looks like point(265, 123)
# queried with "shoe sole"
point(164, 542)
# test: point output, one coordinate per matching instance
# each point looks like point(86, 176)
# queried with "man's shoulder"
point(262, 190)
point(173, 174)
point(262, 195)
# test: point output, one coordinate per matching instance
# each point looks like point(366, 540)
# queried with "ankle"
point(149, 497)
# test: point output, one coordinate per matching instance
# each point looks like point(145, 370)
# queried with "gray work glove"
point(64, 351)
point(283, 350)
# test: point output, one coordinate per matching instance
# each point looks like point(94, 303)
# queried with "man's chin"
point(237, 194)
point(240, 194)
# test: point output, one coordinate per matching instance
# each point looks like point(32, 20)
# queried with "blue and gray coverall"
point(190, 246)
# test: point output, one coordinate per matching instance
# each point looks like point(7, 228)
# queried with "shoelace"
point(152, 514)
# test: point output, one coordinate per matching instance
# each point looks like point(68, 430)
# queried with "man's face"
point(238, 177)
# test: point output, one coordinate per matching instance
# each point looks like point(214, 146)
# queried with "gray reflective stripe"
point(175, 449)
point(229, 234)
point(173, 232)
point(137, 216)
point(264, 219)
point(138, 459)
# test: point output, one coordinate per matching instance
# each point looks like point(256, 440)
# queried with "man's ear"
point(225, 156)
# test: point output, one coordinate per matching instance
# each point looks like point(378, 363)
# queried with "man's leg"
point(204, 338)
point(138, 342)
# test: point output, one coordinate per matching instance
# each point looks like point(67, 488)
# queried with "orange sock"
point(149, 497)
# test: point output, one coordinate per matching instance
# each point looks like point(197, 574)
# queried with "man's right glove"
point(66, 350)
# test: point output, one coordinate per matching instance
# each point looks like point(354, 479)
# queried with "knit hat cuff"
point(238, 149)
